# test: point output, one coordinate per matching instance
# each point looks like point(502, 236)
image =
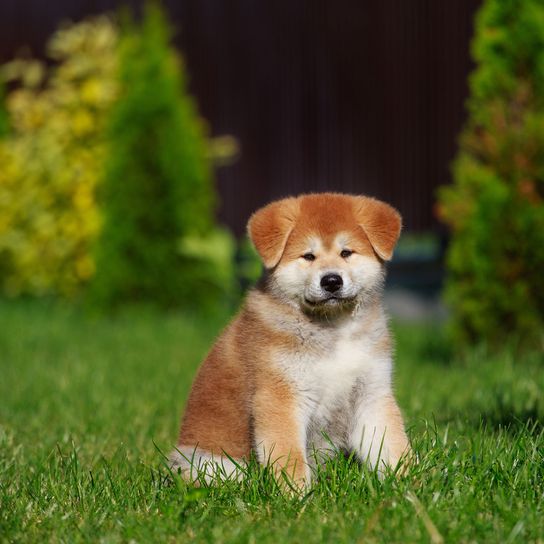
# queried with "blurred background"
point(137, 137)
point(136, 140)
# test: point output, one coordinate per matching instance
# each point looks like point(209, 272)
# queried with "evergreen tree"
point(495, 206)
point(157, 188)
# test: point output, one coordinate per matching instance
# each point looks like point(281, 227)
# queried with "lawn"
point(87, 404)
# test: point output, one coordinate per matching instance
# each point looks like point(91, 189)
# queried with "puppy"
point(306, 365)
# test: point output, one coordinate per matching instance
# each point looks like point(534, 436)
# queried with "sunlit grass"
point(89, 405)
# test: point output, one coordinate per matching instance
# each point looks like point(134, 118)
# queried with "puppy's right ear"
point(270, 227)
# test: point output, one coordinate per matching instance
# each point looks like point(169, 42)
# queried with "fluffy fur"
point(300, 361)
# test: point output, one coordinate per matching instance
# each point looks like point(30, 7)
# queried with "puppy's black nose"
point(331, 282)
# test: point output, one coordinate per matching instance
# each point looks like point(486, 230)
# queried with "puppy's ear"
point(381, 223)
point(270, 227)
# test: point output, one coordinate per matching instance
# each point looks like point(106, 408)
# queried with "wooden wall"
point(363, 96)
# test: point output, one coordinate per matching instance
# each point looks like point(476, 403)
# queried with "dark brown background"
point(354, 95)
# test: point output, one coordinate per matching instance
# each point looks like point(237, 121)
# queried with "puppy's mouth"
point(329, 301)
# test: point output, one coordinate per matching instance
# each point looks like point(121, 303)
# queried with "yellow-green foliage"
point(51, 161)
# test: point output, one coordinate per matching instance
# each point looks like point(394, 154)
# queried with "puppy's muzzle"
point(331, 282)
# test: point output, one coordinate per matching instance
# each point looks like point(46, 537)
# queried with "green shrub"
point(51, 161)
point(4, 119)
point(249, 265)
point(495, 206)
point(157, 195)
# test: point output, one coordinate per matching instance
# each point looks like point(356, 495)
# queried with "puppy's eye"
point(309, 256)
point(345, 253)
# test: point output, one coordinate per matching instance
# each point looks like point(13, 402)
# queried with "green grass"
point(86, 405)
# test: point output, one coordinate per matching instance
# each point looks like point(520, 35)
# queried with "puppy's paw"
point(294, 480)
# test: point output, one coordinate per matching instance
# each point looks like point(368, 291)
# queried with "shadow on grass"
point(512, 421)
point(505, 412)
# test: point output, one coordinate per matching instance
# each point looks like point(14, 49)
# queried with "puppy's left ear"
point(270, 227)
point(382, 224)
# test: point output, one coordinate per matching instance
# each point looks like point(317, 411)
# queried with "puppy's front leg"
point(377, 435)
point(279, 432)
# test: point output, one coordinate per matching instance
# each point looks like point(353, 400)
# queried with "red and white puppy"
point(309, 354)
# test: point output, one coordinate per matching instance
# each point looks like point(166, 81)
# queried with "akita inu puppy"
point(307, 362)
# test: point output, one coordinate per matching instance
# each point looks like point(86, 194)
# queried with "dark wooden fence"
point(363, 96)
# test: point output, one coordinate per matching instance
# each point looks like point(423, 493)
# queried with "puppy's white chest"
point(333, 375)
point(326, 377)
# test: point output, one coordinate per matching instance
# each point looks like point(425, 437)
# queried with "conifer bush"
point(157, 196)
point(495, 206)
point(4, 119)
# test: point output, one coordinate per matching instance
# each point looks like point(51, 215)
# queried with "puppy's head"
point(325, 252)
